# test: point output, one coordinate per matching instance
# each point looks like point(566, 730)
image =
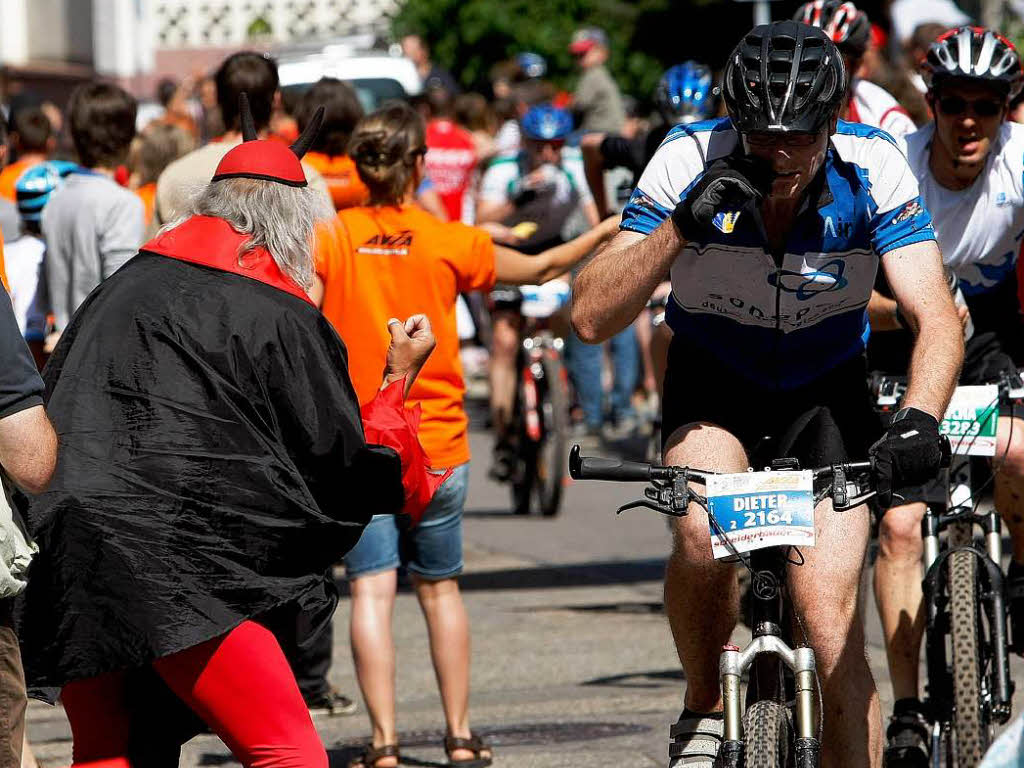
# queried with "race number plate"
point(970, 421)
point(762, 509)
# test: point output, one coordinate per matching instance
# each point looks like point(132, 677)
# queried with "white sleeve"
point(678, 163)
point(494, 187)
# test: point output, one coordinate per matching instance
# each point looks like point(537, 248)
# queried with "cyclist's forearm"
point(488, 210)
point(935, 363)
point(612, 289)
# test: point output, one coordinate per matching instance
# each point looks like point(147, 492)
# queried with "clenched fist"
point(411, 345)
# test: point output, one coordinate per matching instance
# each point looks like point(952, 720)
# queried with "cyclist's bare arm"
point(612, 289)
point(590, 211)
point(519, 269)
point(919, 286)
point(593, 168)
point(493, 210)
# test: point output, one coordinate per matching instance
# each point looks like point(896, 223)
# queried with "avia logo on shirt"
point(837, 229)
point(807, 285)
point(395, 244)
point(725, 221)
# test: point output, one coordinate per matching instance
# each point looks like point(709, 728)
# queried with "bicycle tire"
point(552, 453)
point(766, 735)
point(970, 731)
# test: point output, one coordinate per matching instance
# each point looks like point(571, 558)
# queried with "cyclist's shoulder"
point(1010, 143)
point(688, 149)
point(872, 150)
point(874, 95)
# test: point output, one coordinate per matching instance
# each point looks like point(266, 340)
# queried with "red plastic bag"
point(387, 422)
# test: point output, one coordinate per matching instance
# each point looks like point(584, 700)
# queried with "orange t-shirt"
point(147, 193)
point(8, 177)
point(382, 262)
point(343, 182)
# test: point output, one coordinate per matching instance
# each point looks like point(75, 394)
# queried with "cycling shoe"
point(908, 737)
point(695, 741)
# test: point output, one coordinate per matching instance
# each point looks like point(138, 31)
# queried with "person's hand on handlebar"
point(911, 452)
point(731, 183)
point(411, 345)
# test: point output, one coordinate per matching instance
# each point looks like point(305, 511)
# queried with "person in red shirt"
point(451, 157)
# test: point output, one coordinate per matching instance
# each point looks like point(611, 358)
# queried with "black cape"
point(212, 467)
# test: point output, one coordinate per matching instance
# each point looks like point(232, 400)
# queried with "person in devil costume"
point(214, 463)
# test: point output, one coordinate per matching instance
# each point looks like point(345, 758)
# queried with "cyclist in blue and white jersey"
point(969, 164)
point(773, 222)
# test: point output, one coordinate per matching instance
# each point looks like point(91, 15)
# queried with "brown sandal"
point(371, 754)
point(473, 744)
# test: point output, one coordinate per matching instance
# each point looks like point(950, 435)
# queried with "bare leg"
point(642, 326)
point(448, 627)
point(1009, 484)
point(692, 574)
point(373, 650)
point(505, 342)
point(660, 341)
point(826, 598)
point(898, 595)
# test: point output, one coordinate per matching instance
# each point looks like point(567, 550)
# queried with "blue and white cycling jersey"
point(784, 325)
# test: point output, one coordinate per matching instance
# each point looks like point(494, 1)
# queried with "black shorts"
point(829, 420)
point(505, 297)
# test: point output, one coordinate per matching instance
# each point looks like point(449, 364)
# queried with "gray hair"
point(281, 218)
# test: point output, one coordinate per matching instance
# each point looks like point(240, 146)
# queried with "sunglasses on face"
point(957, 105)
point(781, 139)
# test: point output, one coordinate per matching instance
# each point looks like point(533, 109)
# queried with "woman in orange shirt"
point(342, 111)
point(379, 260)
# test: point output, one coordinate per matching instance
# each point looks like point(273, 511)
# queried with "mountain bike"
point(541, 409)
point(968, 690)
point(781, 723)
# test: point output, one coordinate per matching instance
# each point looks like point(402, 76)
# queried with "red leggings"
point(240, 684)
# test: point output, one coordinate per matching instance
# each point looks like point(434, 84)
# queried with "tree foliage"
point(468, 37)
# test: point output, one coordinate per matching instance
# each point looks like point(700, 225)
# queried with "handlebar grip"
point(595, 468)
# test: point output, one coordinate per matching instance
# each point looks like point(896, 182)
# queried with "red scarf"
point(213, 243)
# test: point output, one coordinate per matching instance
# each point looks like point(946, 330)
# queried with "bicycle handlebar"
point(596, 468)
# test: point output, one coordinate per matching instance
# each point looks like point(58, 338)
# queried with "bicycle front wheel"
point(766, 735)
point(552, 452)
point(970, 736)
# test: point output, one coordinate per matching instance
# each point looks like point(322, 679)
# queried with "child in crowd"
point(32, 142)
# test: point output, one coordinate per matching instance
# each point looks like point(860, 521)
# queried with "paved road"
point(572, 658)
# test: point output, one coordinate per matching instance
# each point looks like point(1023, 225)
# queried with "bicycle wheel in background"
point(766, 735)
point(971, 733)
point(552, 451)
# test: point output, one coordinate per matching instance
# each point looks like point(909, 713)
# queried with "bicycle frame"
point(535, 346)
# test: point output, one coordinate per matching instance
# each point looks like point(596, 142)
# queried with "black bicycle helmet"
point(976, 54)
point(848, 26)
point(784, 77)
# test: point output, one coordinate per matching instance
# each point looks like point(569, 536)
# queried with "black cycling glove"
point(911, 452)
point(731, 183)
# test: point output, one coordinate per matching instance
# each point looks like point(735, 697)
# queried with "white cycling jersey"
point(979, 229)
point(873, 105)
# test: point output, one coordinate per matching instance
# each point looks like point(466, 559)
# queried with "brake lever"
point(648, 505)
point(839, 492)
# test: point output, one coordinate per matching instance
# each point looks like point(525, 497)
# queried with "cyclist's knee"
point(505, 339)
point(899, 534)
point(1010, 448)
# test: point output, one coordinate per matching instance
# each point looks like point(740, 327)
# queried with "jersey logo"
point(807, 285)
point(725, 221)
point(909, 211)
point(840, 229)
point(394, 244)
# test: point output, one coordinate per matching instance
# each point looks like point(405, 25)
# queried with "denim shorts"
point(431, 550)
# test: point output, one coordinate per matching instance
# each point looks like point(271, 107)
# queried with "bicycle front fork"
point(734, 662)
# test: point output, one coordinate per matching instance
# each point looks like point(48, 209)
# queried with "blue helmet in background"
point(684, 93)
point(34, 187)
point(546, 123)
point(532, 64)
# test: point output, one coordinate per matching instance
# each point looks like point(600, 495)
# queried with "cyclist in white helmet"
point(850, 30)
point(969, 164)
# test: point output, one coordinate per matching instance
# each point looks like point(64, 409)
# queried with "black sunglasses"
point(957, 105)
